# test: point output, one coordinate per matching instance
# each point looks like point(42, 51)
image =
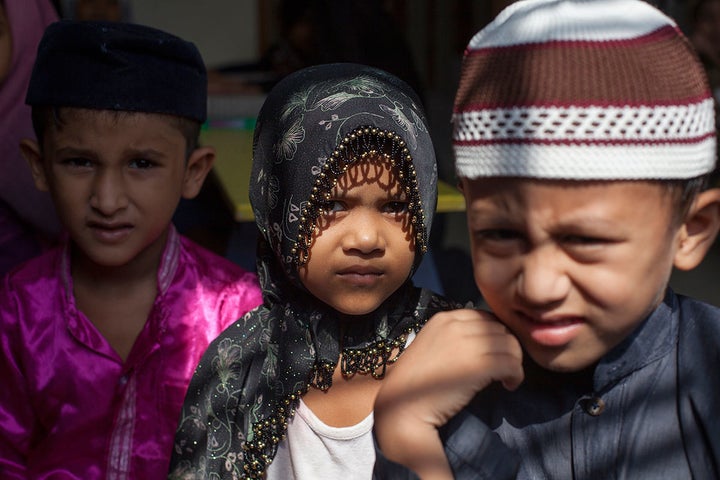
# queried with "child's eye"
point(587, 249)
point(77, 162)
point(141, 163)
point(497, 235)
point(583, 240)
point(499, 242)
point(332, 206)
point(396, 207)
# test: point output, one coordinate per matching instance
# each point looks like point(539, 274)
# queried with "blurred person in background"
point(103, 10)
point(705, 36)
point(326, 31)
point(27, 218)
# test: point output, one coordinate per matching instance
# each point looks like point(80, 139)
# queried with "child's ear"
point(198, 166)
point(31, 151)
point(698, 232)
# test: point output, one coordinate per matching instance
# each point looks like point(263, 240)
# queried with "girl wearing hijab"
point(343, 188)
point(27, 217)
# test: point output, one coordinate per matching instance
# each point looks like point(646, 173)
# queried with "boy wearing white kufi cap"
point(584, 138)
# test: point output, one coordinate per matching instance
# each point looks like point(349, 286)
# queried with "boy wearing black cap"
point(584, 139)
point(99, 338)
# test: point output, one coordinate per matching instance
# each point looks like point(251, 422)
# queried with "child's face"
point(570, 268)
point(362, 249)
point(116, 179)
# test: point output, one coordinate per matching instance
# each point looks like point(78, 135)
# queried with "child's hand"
point(457, 354)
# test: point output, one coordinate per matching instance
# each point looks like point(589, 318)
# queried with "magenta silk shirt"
point(69, 406)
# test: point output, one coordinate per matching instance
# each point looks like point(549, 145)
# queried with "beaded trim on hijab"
point(356, 146)
point(370, 360)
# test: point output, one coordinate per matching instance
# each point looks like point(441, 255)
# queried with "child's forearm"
point(413, 443)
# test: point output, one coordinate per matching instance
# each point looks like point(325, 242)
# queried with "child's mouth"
point(110, 233)
point(553, 332)
point(360, 276)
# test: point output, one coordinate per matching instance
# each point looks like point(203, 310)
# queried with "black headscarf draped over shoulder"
point(313, 124)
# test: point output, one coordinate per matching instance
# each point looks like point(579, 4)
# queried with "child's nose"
point(108, 194)
point(364, 233)
point(542, 280)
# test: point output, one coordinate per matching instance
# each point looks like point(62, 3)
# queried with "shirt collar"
point(653, 339)
point(166, 272)
point(169, 261)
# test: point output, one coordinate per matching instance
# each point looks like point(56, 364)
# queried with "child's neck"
point(348, 402)
point(117, 300)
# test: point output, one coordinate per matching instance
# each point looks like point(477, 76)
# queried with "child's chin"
point(565, 361)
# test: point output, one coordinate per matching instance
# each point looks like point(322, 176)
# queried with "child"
point(583, 136)
point(99, 338)
point(27, 219)
point(343, 188)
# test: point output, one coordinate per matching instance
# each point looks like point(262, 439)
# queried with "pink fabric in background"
point(69, 406)
point(24, 211)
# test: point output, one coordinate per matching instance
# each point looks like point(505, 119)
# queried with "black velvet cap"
point(118, 66)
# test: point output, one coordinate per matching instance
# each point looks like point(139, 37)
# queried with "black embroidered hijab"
point(313, 125)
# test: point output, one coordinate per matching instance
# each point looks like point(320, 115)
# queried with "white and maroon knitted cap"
point(582, 89)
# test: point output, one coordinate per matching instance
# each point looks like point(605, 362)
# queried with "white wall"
point(225, 31)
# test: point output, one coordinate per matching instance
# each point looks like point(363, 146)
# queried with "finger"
point(466, 318)
point(513, 376)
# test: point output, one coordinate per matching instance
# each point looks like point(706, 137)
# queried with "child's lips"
point(360, 275)
point(110, 232)
point(554, 331)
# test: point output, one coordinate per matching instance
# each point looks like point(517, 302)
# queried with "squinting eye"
point(497, 235)
point(584, 240)
point(396, 207)
point(498, 242)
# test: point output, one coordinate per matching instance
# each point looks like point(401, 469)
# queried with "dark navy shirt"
point(649, 409)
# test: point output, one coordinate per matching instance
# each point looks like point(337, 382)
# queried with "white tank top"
point(313, 450)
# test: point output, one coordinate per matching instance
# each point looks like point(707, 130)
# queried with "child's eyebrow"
point(491, 216)
point(75, 151)
point(129, 152)
point(496, 210)
point(350, 193)
point(145, 152)
point(594, 223)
